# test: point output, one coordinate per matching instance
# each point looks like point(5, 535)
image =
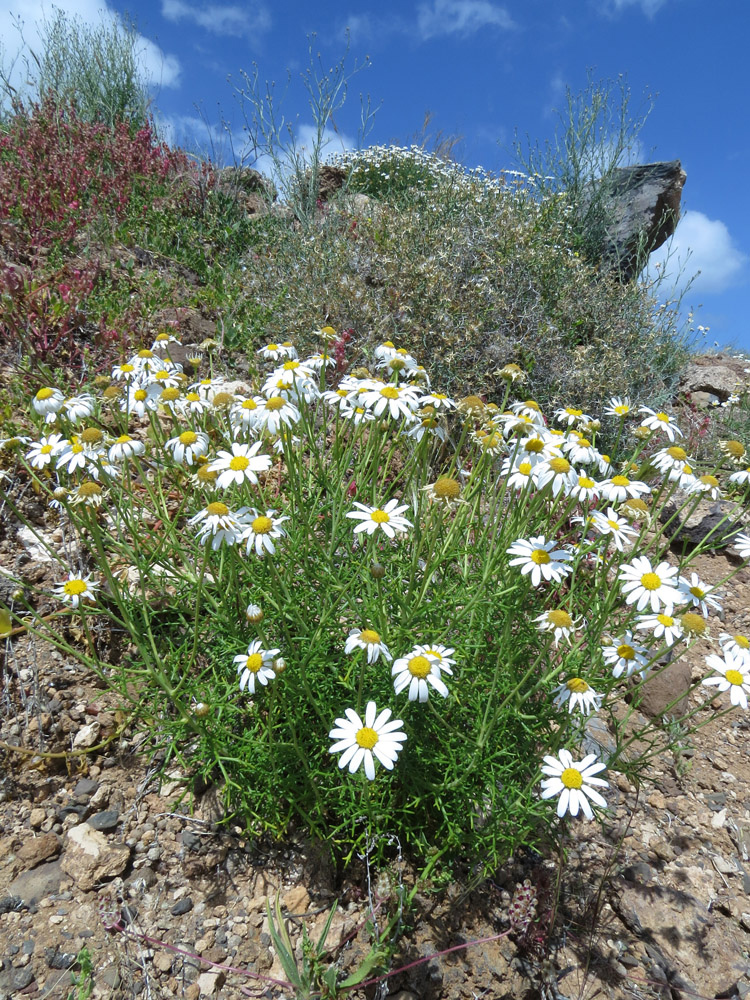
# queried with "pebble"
point(183, 906)
point(36, 818)
point(106, 820)
point(85, 786)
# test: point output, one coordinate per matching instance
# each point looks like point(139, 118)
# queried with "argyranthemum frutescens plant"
point(366, 607)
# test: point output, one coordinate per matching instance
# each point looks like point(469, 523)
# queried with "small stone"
point(15, 980)
point(163, 961)
point(36, 818)
point(657, 800)
point(87, 736)
point(722, 865)
point(297, 901)
point(38, 849)
point(106, 820)
point(89, 857)
point(210, 982)
point(191, 840)
point(719, 819)
point(85, 787)
point(745, 921)
point(182, 906)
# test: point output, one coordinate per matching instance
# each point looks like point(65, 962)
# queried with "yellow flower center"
point(145, 353)
point(91, 435)
point(666, 620)
point(76, 448)
point(45, 393)
point(262, 525)
point(742, 641)
point(560, 618)
point(625, 652)
point(664, 417)
point(651, 581)
point(45, 449)
point(89, 488)
point(275, 403)
point(206, 474)
point(223, 399)
point(734, 677)
point(217, 509)
point(272, 347)
point(709, 480)
point(540, 557)
point(239, 463)
point(531, 405)
point(123, 439)
point(584, 442)
point(74, 588)
point(419, 666)
point(576, 685)
point(389, 391)
point(188, 437)
point(525, 468)
point(735, 448)
point(677, 453)
point(397, 364)
point(621, 410)
point(572, 412)
point(613, 524)
point(254, 662)
point(170, 394)
point(698, 592)
point(289, 366)
point(380, 517)
point(693, 623)
point(160, 376)
point(127, 368)
point(446, 488)
point(559, 465)
point(369, 636)
point(571, 778)
point(139, 395)
point(250, 404)
point(534, 445)
point(620, 481)
point(366, 738)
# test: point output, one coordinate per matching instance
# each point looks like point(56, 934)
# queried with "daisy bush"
point(362, 606)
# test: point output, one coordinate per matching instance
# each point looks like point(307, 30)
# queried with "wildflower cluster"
point(306, 557)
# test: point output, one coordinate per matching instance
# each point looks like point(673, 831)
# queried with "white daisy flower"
point(43, 451)
point(618, 406)
point(76, 588)
point(397, 401)
point(708, 485)
point(125, 447)
point(193, 404)
point(576, 693)
point(442, 654)
point(626, 656)
point(139, 400)
point(239, 465)
point(618, 489)
point(585, 490)
point(671, 459)
point(357, 414)
point(521, 474)
point(438, 400)
point(369, 640)
point(742, 478)
point(48, 402)
point(125, 371)
point(419, 671)
point(574, 782)
point(738, 644)
point(558, 473)
point(570, 416)
point(614, 526)
point(275, 352)
point(75, 455)
point(360, 742)
point(540, 559)
point(558, 622)
point(683, 476)
point(187, 447)
point(580, 450)
point(734, 676)
point(146, 361)
point(319, 361)
point(276, 412)
point(530, 409)
point(79, 407)
point(698, 593)
point(387, 519)
point(741, 543)
point(644, 585)
point(163, 340)
point(660, 421)
point(255, 665)
point(218, 523)
point(661, 626)
point(260, 530)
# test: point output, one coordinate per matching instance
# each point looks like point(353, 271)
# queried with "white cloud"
point(332, 142)
point(702, 245)
point(220, 19)
point(460, 17)
point(649, 7)
point(159, 68)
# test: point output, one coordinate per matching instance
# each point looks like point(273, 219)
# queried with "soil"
point(98, 852)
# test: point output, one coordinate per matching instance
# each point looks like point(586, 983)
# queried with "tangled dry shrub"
point(476, 272)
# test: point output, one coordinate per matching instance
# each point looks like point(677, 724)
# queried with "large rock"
point(641, 208)
point(718, 375)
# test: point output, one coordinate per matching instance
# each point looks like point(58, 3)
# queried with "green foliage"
point(95, 68)
point(83, 979)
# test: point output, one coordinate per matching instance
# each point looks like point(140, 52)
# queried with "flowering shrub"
point(59, 173)
point(366, 607)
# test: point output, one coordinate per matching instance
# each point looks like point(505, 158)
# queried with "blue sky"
point(484, 69)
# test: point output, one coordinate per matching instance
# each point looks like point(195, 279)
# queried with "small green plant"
point(83, 978)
